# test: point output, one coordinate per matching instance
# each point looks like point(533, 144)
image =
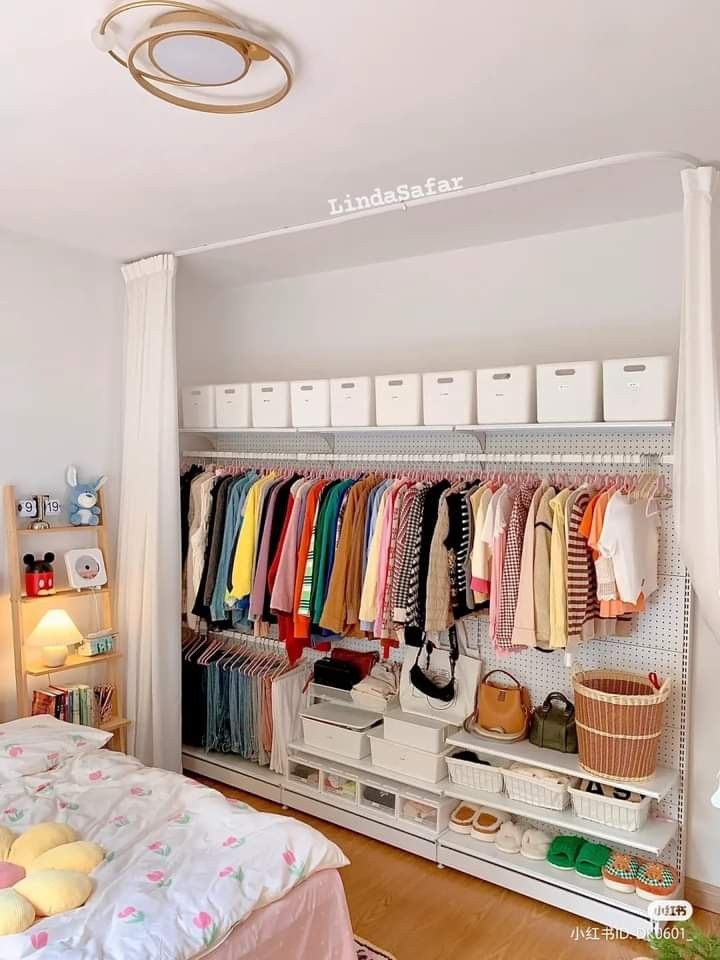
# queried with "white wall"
point(605, 291)
point(60, 381)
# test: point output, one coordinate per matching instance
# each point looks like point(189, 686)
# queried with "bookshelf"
point(19, 601)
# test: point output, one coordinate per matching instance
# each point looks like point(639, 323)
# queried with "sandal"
point(564, 851)
point(656, 881)
point(535, 845)
point(620, 872)
point(486, 824)
point(591, 860)
point(461, 819)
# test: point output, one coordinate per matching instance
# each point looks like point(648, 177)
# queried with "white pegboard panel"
point(660, 637)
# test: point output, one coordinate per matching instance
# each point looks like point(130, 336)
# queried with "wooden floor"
point(419, 912)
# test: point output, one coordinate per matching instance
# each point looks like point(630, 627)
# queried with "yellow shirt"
point(558, 572)
point(243, 562)
point(368, 598)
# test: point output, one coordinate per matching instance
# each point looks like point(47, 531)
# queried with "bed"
point(187, 873)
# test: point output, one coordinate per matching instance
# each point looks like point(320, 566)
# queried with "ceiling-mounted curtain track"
point(554, 172)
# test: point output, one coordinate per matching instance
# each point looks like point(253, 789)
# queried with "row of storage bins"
point(352, 789)
point(641, 388)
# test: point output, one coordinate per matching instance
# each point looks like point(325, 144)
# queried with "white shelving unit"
point(659, 641)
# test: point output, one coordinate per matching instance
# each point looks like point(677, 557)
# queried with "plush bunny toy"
point(82, 509)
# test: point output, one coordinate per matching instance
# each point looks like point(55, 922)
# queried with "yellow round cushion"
point(16, 913)
point(80, 855)
point(7, 839)
point(35, 841)
point(54, 891)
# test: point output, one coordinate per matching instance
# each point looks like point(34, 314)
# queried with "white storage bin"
point(301, 772)
point(641, 388)
point(398, 400)
point(506, 395)
point(609, 810)
point(422, 733)
point(338, 729)
point(198, 407)
point(270, 404)
point(406, 761)
point(569, 392)
point(336, 783)
point(425, 810)
point(379, 796)
point(477, 776)
point(351, 402)
point(310, 403)
point(538, 787)
point(232, 405)
point(448, 397)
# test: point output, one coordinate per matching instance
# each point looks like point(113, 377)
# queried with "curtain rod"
point(448, 460)
point(552, 173)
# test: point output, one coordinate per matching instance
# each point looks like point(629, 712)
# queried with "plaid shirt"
point(510, 584)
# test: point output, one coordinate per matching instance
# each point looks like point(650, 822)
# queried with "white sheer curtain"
point(697, 430)
point(149, 534)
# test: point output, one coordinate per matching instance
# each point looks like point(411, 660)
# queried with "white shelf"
point(654, 836)
point(344, 698)
point(542, 870)
point(365, 766)
point(659, 426)
point(523, 751)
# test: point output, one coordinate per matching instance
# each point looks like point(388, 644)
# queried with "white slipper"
point(509, 837)
point(486, 824)
point(535, 845)
point(461, 819)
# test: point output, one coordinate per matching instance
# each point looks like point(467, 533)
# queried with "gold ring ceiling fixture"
point(201, 52)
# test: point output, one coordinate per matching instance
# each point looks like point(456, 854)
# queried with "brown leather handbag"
point(502, 711)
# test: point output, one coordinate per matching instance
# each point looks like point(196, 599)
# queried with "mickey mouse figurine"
point(39, 575)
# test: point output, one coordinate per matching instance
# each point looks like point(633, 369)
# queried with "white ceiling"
point(385, 92)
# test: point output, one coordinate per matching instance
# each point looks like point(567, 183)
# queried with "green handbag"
point(553, 726)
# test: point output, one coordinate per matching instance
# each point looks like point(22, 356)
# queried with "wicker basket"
point(619, 718)
point(539, 792)
point(479, 776)
point(621, 814)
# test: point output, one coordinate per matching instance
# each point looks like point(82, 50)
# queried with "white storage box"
point(448, 397)
point(477, 776)
point(351, 402)
point(422, 733)
point(406, 761)
point(338, 729)
point(541, 788)
point(379, 796)
point(569, 392)
point(310, 403)
point(506, 395)
point(232, 405)
point(270, 404)
point(198, 407)
point(425, 810)
point(398, 400)
point(642, 388)
point(299, 771)
point(608, 809)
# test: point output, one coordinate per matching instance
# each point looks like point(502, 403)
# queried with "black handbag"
point(554, 726)
point(341, 674)
point(425, 684)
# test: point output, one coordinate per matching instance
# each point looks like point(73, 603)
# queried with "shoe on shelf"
point(564, 850)
point(535, 844)
point(509, 837)
point(486, 824)
point(461, 818)
point(620, 872)
point(656, 881)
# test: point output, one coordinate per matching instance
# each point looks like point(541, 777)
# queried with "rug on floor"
point(368, 951)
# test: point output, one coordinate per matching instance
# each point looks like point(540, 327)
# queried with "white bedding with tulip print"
point(183, 864)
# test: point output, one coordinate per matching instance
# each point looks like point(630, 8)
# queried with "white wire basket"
point(478, 776)
point(621, 814)
point(538, 791)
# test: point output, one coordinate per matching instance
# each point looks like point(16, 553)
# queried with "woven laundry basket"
point(619, 718)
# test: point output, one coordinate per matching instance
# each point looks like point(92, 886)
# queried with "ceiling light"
point(202, 53)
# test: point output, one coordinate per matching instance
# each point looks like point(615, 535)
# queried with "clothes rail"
point(601, 459)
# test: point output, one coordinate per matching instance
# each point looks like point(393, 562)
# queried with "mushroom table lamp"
point(53, 633)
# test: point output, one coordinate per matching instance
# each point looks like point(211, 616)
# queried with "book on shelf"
point(74, 703)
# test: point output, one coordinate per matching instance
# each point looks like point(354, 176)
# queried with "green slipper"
point(591, 860)
point(563, 851)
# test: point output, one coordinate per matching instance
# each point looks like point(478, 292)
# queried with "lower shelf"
point(233, 770)
point(590, 898)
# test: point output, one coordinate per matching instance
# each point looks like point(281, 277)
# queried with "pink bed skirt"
point(310, 923)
